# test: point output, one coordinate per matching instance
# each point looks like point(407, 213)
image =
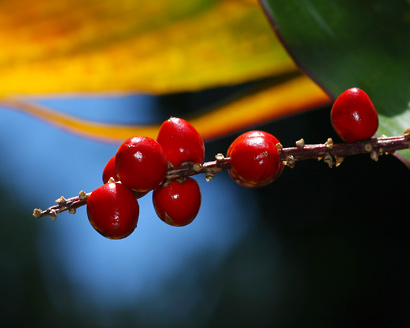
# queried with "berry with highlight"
point(255, 159)
point(113, 210)
point(354, 116)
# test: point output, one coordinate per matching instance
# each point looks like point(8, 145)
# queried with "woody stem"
point(331, 153)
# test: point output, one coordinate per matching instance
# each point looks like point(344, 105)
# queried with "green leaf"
point(344, 43)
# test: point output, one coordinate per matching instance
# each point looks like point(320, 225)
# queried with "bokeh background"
point(320, 247)
point(323, 247)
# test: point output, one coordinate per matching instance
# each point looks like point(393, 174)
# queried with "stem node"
point(329, 160)
point(406, 133)
point(209, 176)
point(53, 215)
point(197, 167)
point(374, 155)
point(82, 195)
point(290, 161)
point(219, 157)
point(61, 200)
point(329, 144)
point(339, 160)
point(300, 143)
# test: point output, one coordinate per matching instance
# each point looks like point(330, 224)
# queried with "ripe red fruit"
point(178, 203)
point(354, 116)
point(255, 159)
point(109, 171)
point(181, 142)
point(113, 210)
point(141, 164)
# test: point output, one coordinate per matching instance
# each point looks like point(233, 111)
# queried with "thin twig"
point(70, 205)
point(332, 154)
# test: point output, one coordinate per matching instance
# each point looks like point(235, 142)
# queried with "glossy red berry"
point(178, 203)
point(109, 171)
point(354, 116)
point(255, 159)
point(181, 142)
point(113, 210)
point(141, 164)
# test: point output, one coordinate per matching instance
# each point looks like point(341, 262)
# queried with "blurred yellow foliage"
point(156, 46)
point(54, 47)
point(293, 96)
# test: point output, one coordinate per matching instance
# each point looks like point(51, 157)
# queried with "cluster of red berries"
point(141, 165)
point(255, 158)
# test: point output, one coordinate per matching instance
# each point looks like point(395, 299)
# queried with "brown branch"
point(337, 152)
point(70, 205)
point(332, 154)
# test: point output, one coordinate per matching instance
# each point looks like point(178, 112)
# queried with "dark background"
point(327, 248)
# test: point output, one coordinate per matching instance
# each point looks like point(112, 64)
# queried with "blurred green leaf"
point(344, 43)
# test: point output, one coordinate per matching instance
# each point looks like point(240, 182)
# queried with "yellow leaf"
point(293, 96)
point(159, 46)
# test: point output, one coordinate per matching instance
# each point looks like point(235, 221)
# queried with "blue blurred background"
point(319, 247)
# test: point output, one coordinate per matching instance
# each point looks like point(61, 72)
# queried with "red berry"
point(113, 210)
point(255, 159)
point(141, 164)
point(354, 116)
point(109, 171)
point(181, 142)
point(178, 203)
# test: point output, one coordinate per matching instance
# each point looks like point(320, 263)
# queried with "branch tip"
point(37, 213)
